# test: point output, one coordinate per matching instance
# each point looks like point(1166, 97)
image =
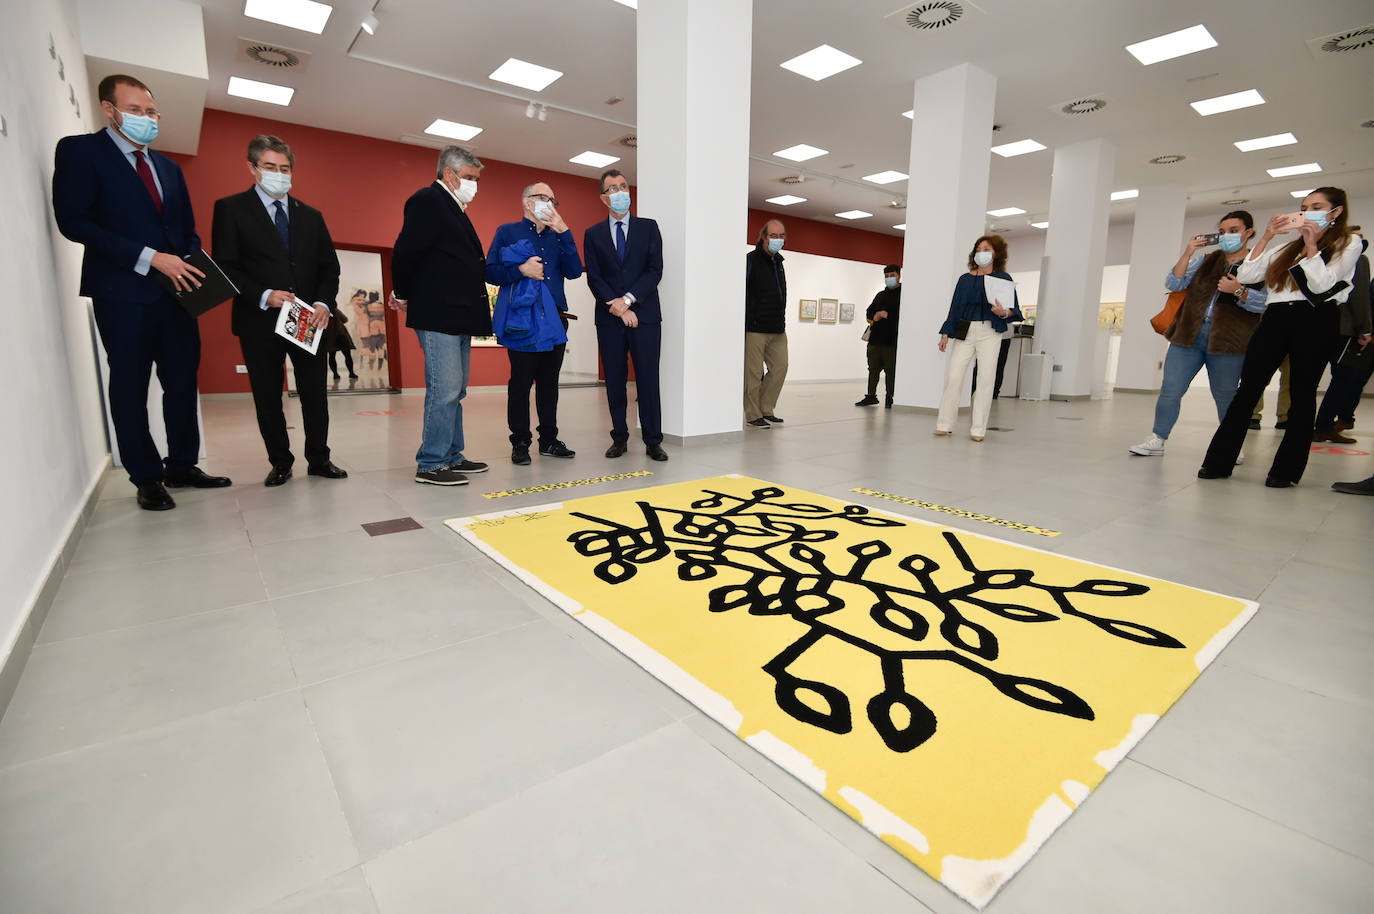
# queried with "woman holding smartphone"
point(975, 325)
point(1307, 279)
point(1213, 326)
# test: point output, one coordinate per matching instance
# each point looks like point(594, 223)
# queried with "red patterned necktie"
point(146, 173)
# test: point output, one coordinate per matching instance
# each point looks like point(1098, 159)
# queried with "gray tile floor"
point(250, 705)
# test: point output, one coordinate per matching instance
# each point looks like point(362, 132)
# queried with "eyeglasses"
point(139, 112)
point(772, 235)
point(543, 198)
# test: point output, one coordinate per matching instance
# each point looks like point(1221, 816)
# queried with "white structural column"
point(1155, 244)
point(693, 61)
point(1076, 251)
point(947, 198)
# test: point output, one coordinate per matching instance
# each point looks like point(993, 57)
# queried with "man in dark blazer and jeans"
point(129, 206)
point(438, 277)
point(276, 249)
point(624, 263)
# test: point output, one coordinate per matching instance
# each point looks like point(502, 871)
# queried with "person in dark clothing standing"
point(882, 317)
point(765, 326)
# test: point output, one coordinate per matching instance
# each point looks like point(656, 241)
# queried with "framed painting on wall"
point(830, 310)
point(846, 312)
point(808, 309)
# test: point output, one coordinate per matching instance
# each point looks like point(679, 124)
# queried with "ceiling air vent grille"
point(1089, 104)
point(1342, 43)
point(1171, 159)
point(791, 179)
point(928, 15)
point(271, 55)
point(629, 141)
point(1236, 201)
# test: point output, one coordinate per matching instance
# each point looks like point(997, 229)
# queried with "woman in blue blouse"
point(985, 322)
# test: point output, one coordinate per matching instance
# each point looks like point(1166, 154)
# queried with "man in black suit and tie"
point(277, 250)
point(624, 263)
point(129, 206)
point(438, 277)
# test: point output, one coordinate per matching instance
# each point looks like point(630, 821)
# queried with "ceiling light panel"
point(594, 159)
point(452, 129)
point(1300, 193)
point(786, 200)
point(1209, 106)
point(1266, 142)
point(1006, 211)
point(1019, 148)
point(901, 226)
point(1124, 195)
point(910, 115)
point(1289, 170)
point(1040, 225)
point(820, 63)
point(886, 177)
point(853, 214)
point(632, 4)
point(260, 92)
point(306, 15)
point(800, 152)
point(526, 75)
point(1174, 44)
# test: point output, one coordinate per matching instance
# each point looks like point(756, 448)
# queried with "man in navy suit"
point(129, 206)
point(624, 263)
point(277, 250)
point(438, 277)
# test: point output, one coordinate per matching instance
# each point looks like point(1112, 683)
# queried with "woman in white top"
point(1307, 279)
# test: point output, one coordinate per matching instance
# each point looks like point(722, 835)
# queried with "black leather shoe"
point(1274, 482)
point(153, 497)
point(772, 419)
point(1209, 473)
point(277, 477)
point(1281, 425)
point(327, 470)
point(556, 449)
point(520, 456)
point(656, 452)
point(888, 403)
point(196, 478)
point(867, 401)
point(1254, 425)
point(617, 449)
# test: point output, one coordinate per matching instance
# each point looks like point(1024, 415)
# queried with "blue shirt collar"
point(267, 200)
point(124, 145)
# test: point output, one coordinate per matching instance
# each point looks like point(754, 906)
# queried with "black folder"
point(215, 288)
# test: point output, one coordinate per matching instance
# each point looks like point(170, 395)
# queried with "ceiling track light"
point(530, 109)
point(543, 112)
point(370, 23)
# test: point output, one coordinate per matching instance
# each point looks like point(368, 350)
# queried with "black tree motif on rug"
point(768, 539)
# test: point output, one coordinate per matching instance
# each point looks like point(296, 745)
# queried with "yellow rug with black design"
point(957, 694)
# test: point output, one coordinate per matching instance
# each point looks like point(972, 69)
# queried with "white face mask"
point(467, 189)
point(982, 258)
point(275, 183)
point(542, 209)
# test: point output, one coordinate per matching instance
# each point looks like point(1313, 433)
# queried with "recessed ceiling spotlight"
point(800, 152)
point(820, 63)
point(886, 177)
point(1288, 171)
point(786, 200)
point(1174, 44)
point(594, 159)
point(1209, 106)
point(452, 129)
point(525, 75)
point(260, 92)
point(1040, 225)
point(853, 214)
point(1006, 211)
point(1019, 148)
point(1266, 142)
point(1124, 195)
point(306, 15)
point(370, 23)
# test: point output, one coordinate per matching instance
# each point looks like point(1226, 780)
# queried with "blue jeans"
point(447, 357)
point(1182, 364)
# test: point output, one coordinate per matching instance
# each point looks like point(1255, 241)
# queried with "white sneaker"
point(1152, 446)
point(1240, 458)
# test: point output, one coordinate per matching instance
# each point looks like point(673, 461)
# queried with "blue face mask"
point(775, 244)
point(890, 282)
point(139, 129)
point(1319, 216)
point(1231, 242)
point(620, 202)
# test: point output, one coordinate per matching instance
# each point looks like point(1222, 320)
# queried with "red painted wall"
point(361, 185)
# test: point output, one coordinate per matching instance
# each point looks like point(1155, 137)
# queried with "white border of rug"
point(976, 881)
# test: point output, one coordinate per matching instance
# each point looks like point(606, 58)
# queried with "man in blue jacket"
point(529, 260)
point(130, 208)
point(624, 265)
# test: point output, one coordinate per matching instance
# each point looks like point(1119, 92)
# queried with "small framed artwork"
point(808, 309)
point(846, 312)
point(830, 310)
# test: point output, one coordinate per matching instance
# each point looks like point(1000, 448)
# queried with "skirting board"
point(12, 666)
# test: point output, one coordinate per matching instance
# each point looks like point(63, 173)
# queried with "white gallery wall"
point(54, 427)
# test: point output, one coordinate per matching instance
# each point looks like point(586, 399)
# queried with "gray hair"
point(455, 157)
point(263, 143)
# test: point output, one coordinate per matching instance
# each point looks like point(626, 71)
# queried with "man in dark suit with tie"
point(438, 270)
point(277, 250)
point(129, 206)
point(624, 263)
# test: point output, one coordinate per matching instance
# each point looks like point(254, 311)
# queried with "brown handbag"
point(1165, 319)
